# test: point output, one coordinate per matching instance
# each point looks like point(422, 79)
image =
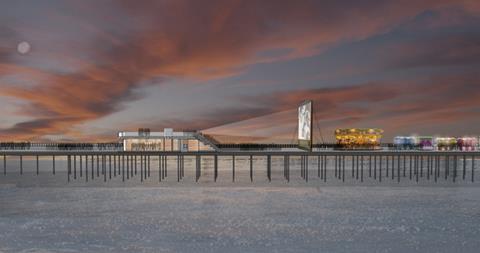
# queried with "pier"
point(381, 165)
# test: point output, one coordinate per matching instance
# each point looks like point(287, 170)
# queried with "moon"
point(23, 47)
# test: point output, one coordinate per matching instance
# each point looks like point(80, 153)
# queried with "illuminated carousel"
point(358, 138)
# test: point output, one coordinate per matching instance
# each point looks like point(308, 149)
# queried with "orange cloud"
point(443, 99)
point(116, 48)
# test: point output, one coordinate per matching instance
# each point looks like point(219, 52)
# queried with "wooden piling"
point(380, 170)
point(370, 166)
point(98, 171)
point(454, 168)
point(410, 168)
point(393, 167)
point(160, 169)
point(165, 168)
point(325, 161)
point(361, 171)
point(336, 164)
point(251, 168)
point(104, 168)
point(353, 166)
point(321, 167)
point(128, 167)
point(21, 165)
point(199, 166)
point(131, 166)
point(473, 168)
point(428, 167)
point(215, 168)
point(356, 169)
point(415, 165)
point(68, 168)
point(75, 167)
point(141, 168)
point(288, 168)
point(269, 164)
point(447, 165)
point(421, 166)
point(86, 168)
point(123, 168)
point(318, 166)
point(306, 168)
point(387, 165)
point(178, 168)
point(398, 169)
point(233, 168)
point(92, 167)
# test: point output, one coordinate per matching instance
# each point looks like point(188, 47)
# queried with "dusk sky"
point(237, 68)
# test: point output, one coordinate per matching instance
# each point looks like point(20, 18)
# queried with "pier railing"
point(32, 146)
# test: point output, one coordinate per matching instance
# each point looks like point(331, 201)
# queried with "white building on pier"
point(168, 140)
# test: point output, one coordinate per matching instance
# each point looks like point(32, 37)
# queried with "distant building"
point(168, 140)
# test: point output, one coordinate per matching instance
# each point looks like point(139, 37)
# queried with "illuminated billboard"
point(305, 125)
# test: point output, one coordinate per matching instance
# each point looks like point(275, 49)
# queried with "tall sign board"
point(305, 125)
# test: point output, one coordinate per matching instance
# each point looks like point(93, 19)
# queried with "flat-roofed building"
point(168, 140)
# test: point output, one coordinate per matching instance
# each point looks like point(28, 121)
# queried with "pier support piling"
point(269, 168)
point(251, 168)
point(86, 168)
point(361, 169)
point(473, 168)
point(233, 168)
point(98, 170)
point(148, 163)
point(398, 169)
point(215, 168)
point(128, 167)
point(123, 168)
point(21, 165)
point(104, 168)
point(68, 168)
point(141, 168)
point(380, 169)
point(370, 166)
point(92, 167)
point(75, 167)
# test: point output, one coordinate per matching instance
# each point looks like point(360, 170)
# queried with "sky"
point(237, 69)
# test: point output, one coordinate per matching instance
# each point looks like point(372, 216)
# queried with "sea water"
point(46, 213)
